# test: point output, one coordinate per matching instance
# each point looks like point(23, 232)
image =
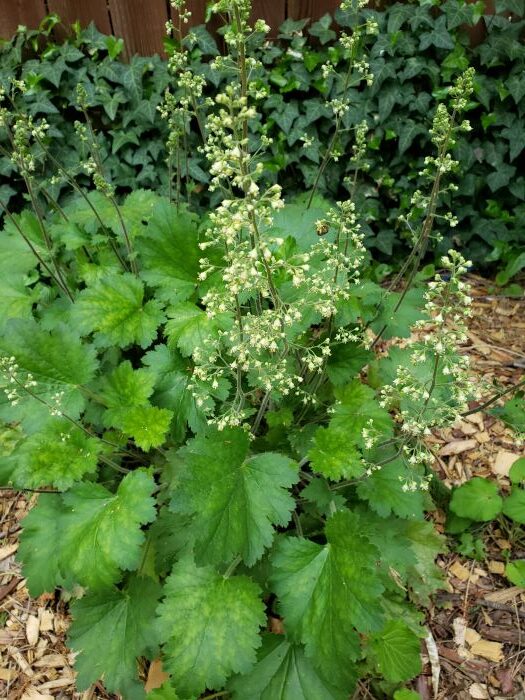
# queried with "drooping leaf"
point(114, 308)
point(236, 498)
point(322, 597)
point(282, 671)
point(477, 499)
point(109, 630)
point(211, 624)
point(395, 652)
point(101, 531)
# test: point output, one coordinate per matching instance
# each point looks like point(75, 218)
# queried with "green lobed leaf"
point(42, 530)
point(211, 624)
point(515, 572)
point(109, 631)
point(190, 327)
point(114, 308)
point(395, 652)
point(322, 597)
point(477, 499)
point(357, 408)
point(59, 455)
point(101, 532)
point(514, 505)
point(236, 499)
point(346, 361)
point(147, 425)
point(169, 252)
point(334, 456)
point(282, 671)
point(517, 471)
point(383, 490)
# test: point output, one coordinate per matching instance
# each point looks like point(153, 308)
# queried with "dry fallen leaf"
point(459, 571)
point(8, 674)
point(493, 651)
point(504, 595)
point(503, 462)
point(496, 567)
point(32, 630)
point(479, 691)
point(33, 694)
point(7, 550)
point(156, 676)
point(456, 447)
point(471, 636)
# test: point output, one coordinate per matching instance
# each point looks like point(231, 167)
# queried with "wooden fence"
point(141, 23)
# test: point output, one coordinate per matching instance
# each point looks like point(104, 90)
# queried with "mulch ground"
point(476, 645)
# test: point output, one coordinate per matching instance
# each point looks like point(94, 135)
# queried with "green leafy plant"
point(188, 391)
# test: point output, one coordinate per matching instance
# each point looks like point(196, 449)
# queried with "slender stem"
point(235, 563)
point(32, 247)
point(494, 398)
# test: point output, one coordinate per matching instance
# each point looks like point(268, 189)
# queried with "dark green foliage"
point(414, 56)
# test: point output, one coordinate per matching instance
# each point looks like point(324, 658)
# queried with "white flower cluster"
point(16, 381)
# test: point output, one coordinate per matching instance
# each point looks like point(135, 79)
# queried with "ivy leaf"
point(236, 498)
point(478, 499)
point(514, 506)
point(101, 531)
point(212, 626)
point(113, 307)
point(190, 327)
point(282, 671)
point(334, 456)
point(109, 630)
point(146, 424)
point(395, 652)
point(169, 251)
point(42, 530)
point(322, 597)
point(357, 408)
point(383, 491)
point(58, 455)
point(346, 361)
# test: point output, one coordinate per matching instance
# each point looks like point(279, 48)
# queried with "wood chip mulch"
point(476, 646)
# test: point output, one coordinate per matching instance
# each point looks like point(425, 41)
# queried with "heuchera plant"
point(190, 397)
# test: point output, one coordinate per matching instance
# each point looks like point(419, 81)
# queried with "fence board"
point(272, 11)
point(83, 11)
point(15, 12)
point(313, 9)
point(141, 24)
